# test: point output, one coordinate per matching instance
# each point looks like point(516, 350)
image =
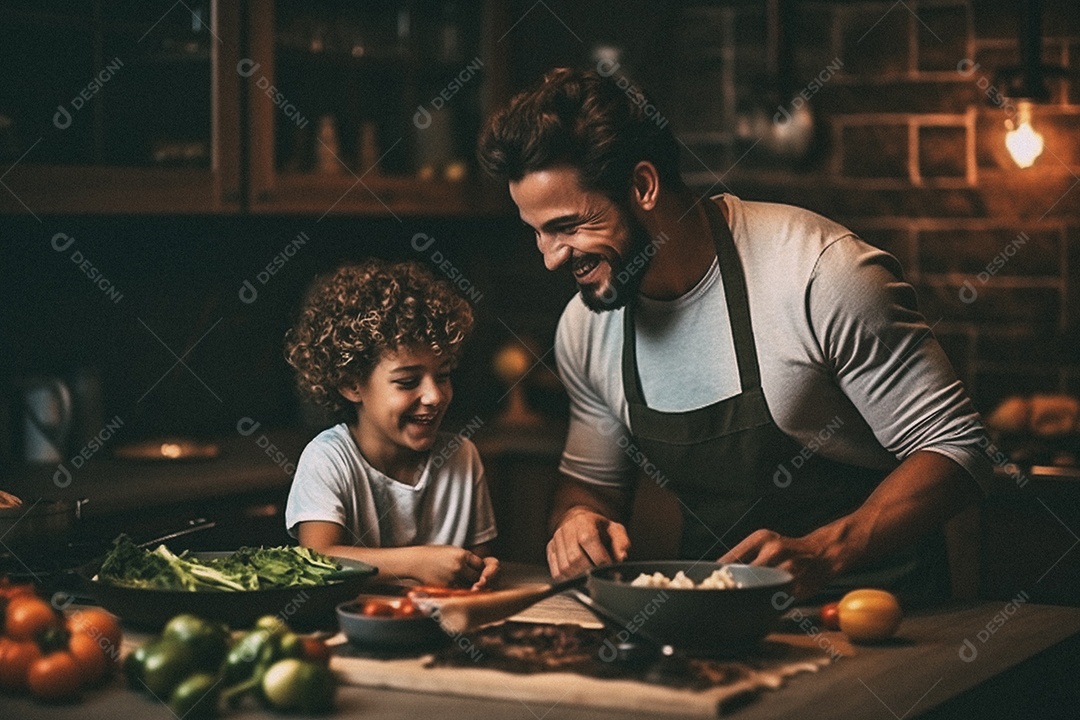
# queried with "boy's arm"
point(483, 550)
point(430, 564)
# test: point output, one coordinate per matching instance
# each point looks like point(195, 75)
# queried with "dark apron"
point(735, 471)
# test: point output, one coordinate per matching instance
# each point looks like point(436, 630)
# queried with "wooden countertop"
point(259, 461)
point(976, 659)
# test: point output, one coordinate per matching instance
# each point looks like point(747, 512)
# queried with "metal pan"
point(303, 607)
point(696, 621)
point(39, 520)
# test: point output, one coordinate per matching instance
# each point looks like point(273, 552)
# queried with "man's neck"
point(687, 251)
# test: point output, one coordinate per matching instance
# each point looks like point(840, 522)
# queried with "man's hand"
point(805, 558)
point(583, 540)
point(918, 496)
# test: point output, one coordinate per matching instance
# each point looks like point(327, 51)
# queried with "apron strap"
point(738, 306)
point(631, 379)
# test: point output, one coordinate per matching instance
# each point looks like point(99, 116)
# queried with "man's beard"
point(626, 271)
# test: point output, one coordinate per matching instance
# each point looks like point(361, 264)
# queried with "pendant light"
point(1026, 85)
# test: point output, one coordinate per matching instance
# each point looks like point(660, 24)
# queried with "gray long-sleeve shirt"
point(849, 367)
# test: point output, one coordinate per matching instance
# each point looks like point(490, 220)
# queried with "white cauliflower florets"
point(721, 579)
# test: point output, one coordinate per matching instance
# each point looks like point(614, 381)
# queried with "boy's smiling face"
point(401, 405)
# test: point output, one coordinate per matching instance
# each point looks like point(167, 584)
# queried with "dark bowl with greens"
point(148, 587)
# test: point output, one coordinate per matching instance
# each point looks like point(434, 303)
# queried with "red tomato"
point(28, 615)
point(396, 607)
point(406, 609)
point(16, 657)
point(55, 677)
point(103, 627)
point(9, 589)
point(90, 656)
point(830, 616)
point(378, 608)
point(434, 591)
point(316, 650)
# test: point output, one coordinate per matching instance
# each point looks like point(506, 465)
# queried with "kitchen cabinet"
point(372, 108)
point(119, 107)
point(263, 106)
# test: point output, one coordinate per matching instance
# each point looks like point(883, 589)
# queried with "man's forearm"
point(586, 527)
point(918, 496)
point(572, 494)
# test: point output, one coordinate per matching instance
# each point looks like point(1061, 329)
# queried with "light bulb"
point(1023, 142)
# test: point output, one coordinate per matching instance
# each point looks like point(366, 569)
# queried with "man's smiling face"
point(585, 230)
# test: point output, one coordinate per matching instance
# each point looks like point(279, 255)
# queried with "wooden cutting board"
point(782, 656)
point(546, 690)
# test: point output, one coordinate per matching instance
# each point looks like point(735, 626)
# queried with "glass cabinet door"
point(119, 106)
point(365, 106)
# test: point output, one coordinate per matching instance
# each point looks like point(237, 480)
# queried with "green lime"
point(196, 697)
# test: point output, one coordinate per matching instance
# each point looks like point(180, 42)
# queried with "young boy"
point(374, 345)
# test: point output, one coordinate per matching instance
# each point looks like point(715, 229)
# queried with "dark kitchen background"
point(174, 178)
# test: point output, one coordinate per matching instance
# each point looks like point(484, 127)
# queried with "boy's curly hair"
point(353, 316)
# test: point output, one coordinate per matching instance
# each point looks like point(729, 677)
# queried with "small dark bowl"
point(387, 633)
point(699, 622)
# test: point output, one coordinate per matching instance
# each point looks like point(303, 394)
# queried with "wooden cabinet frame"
point(242, 176)
point(44, 189)
point(359, 193)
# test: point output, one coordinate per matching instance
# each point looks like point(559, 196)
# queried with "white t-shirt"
point(449, 505)
point(849, 367)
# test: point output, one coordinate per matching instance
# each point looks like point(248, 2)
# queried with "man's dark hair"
point(585, 120)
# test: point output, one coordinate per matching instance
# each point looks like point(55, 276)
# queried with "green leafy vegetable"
point(249, 568)
point(128, 564)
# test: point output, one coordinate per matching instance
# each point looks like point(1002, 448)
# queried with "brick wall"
point(909, 152)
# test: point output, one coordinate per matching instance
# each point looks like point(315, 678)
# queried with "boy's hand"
point(448, 565)
point(491, 569)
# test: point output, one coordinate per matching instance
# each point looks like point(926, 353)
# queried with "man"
point(763, 361)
